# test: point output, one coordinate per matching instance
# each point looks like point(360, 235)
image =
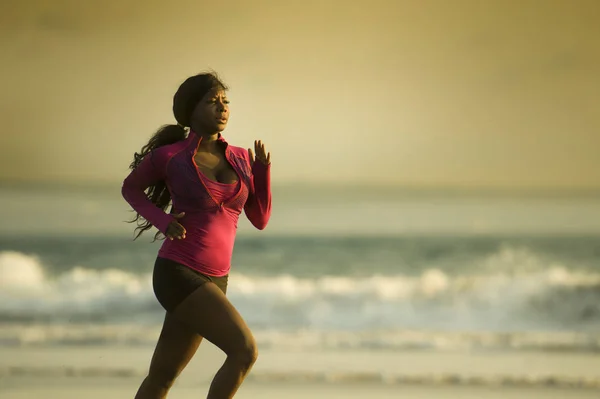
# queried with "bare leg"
point(176, 345)
point(208, 312)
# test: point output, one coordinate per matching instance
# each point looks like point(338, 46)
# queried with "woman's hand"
point(175, 230)
point(261, 154)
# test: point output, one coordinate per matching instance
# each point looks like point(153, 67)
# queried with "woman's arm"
point(150, 171)
point(258, 206)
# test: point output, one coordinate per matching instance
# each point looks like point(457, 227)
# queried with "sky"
point(419, 93)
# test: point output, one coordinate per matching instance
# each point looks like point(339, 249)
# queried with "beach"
point(116, 372)
point(107, 388)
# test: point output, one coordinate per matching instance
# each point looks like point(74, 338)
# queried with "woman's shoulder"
point(241, 158)
point(161, 155)
point(239, 152)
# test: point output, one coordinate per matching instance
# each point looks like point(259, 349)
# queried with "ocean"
point(338, 269)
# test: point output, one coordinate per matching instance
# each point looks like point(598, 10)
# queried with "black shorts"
point(173, 282)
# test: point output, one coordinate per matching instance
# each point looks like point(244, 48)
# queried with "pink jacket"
point(210, 225)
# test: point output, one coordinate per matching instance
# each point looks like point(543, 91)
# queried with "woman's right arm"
point(150, 171)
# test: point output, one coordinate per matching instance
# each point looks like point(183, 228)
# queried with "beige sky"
point(485, 93)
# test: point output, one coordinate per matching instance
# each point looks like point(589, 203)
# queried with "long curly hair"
point(186, 98)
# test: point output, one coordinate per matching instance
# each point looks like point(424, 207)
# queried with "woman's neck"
point(208, 141)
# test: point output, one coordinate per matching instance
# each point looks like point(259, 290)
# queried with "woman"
point(209, 183)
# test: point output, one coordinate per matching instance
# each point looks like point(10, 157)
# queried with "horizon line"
point(396, 186)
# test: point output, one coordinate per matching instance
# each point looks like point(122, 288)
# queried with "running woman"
point(208, 184)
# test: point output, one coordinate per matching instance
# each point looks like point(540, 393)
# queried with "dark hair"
point(186, 98)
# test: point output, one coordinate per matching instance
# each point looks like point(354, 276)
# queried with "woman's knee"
point(162, 377)
point(245, 354)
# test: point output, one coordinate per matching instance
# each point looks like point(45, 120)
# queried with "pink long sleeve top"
point(211, 209)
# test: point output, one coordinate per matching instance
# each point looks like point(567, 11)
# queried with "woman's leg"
point(176, 346)
point(208, 312)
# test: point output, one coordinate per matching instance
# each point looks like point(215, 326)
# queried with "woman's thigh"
point(209, 313)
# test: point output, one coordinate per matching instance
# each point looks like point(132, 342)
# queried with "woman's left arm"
point(258, 205)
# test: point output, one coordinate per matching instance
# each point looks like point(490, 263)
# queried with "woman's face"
point(211, 113)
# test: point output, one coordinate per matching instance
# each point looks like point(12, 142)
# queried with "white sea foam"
point(433, 310)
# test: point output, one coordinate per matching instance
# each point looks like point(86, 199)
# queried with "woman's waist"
point(214, 233)
point(200, 246)
point(209, 253)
